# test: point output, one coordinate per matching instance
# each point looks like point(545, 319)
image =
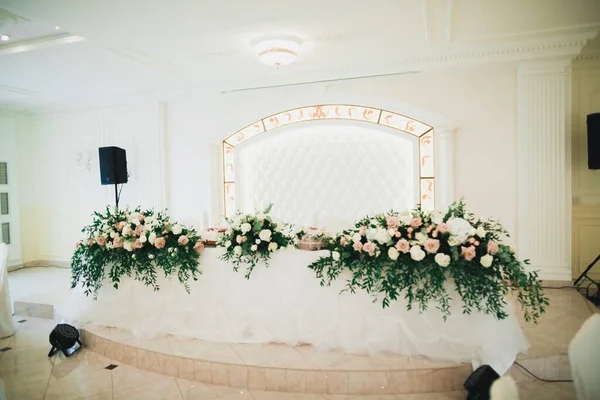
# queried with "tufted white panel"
point(327, 173)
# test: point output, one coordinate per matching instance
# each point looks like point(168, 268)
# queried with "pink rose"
point(138, 230)
point(492, 247)
point(101, 240)
point(443, 228)
point(471, 240)
point(432, 245)
point(77, 244)
point(357, 246)
point(238, 239)
point(468, 252)
point(117, 243)
point(476, 243)
point(369, 247)
point(137, 244)
point(120, 226)
point(403, 246)
point(199, 247)
point(361, 230)
point(434, 233)
point(397, 234)
point(409, 229)
point(140, 217)
point(160, 243)
point(392, 222)
point(416, 222)
point(90, 241)
point(183, 240)
point(343, 240)
point(244, 238)
point(429, 229)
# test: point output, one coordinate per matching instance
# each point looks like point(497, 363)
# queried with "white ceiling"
point(141, 47)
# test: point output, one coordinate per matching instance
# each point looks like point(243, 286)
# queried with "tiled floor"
point(28, 373)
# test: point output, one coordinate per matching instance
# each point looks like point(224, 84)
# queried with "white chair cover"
point(584, 356)
point(504, 388)
point(7, 327)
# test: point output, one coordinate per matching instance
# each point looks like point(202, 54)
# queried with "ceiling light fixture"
point(277, 50)
point(57, 27)
point(4, 38)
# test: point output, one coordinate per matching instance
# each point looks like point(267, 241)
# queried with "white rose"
point(437, 217)
point(443, 260)
point(112, 235)
point(382, 236)
point(152, 238)
point(245, 227)
point(237, 250)
point(453, 241)
point(128, 246)
point(143, 238)
point(391, 232)
point(460, 228)
point(421, 237)
point(228, 244)
point(177, 229)
point(272, 246)
point(481, 232)
point(335, 255)
point(356, 238)
point(393, 253)
point(148, 220)
point(513, 249)
point(126, 230)
point(151, 256)
point(257, 241)
point(265, 235)
point(487, 260)
point(405, 218)
point(371, 234)
point(253, 247)
point(416, 253)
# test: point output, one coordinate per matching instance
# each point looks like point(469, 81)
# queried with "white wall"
point(60, 196)
point(8, 147)
point(586, 182)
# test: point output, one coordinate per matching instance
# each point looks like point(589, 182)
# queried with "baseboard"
point(39, 263)
point(555, 284)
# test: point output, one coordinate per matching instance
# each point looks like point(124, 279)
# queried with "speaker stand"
point(588, 286)
point(116, 197)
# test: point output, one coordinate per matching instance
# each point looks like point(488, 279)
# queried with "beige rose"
point(160, 242)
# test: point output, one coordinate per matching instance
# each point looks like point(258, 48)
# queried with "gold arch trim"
point(346, 112)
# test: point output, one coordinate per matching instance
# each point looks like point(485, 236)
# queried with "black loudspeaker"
point(113, 165)
point(478, 384)
point(64, 337)
point(593, 135)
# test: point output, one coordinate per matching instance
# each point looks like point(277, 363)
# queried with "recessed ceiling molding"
point(38, 43)
point(147, 59)
point(14, 89)
point(7, 17)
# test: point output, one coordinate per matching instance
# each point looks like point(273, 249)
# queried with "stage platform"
point(303, 369)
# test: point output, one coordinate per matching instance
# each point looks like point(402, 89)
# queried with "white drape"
point(7, 327)
point(284, 303)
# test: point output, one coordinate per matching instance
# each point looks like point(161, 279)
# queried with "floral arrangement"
point(414, 253)
point(123, 242)
point(252, 238)
point(310, 238)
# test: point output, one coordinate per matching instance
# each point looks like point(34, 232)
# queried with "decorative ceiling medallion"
point(277, 50)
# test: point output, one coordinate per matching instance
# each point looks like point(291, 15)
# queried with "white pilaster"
point(162, 200)
point(544, 207)
point(445, 165)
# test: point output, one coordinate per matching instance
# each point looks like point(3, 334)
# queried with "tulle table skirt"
point(284, 303)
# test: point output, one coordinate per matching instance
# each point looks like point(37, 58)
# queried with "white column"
point(544, 207)
point(445, 165)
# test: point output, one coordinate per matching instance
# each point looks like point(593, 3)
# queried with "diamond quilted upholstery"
point(327, 173)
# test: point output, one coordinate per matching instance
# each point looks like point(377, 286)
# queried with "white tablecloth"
point(285, 303)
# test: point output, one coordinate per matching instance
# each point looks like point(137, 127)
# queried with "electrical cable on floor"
point(541, 379)
point(558, 287)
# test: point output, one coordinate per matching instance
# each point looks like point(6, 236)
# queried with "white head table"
point(285, 303)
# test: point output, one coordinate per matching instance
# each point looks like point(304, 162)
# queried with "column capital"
point(447, 131)
point(549, 66)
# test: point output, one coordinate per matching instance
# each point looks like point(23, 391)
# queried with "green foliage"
point(136, 244)
point(397, 255)
point(252, 238)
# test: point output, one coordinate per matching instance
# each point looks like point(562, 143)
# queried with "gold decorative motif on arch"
point(390, 119)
